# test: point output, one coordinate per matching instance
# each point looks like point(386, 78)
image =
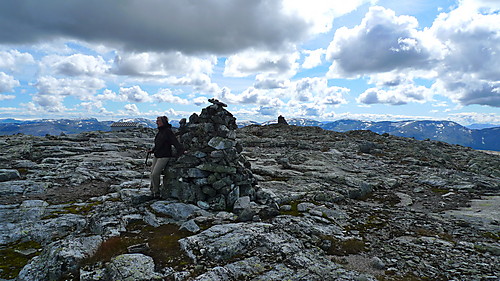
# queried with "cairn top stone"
point(217, 102)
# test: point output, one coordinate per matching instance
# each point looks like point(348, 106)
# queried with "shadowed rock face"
point(213, 171)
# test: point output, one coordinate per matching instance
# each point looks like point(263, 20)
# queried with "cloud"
point(108, 95)
point(161, 64)
point(397, 95)
point(52, 92)
point(91, 105)
point(131, 109)
point(150, 25)
point(317, 90)
point(135, 94)
point(459, 52)
point(267, 111)
point(249, 96)
point(76, 65)
point(7, 97)
point(270, 82)
point(83, 89)
point(306, 110)
point(254, 62)
point(48, 103)
point(313, 58)
point(199, 101)
point(7, 83)
point(470, 71)
point(320, 13)
point(12, 60)
point(382, 42)
point(487, 5)
point(166, 95)
point(467, 118)
point(200, 82)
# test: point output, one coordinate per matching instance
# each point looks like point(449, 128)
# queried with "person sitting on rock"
point(162, 152)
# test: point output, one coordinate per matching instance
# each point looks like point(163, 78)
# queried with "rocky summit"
point(273, 202)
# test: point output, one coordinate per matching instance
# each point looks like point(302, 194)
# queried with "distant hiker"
point(162, 152)
point(281, 120)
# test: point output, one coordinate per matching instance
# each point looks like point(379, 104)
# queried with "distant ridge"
point(52, 126)
point(446, 131)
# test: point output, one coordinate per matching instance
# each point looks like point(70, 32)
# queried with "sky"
point(385, 60)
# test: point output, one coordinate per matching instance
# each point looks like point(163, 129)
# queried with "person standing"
point(162, 152)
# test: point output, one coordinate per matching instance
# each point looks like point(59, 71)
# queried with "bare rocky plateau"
point(347, 206)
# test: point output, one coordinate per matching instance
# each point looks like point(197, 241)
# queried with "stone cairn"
point(212, 174)
point(282, 120)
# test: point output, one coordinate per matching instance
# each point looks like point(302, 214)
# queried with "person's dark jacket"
point(164, 140)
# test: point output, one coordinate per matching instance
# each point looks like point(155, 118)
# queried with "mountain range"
point(487, 138)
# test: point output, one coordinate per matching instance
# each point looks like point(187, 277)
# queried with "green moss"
point(431, 233)
point(373, 222)
point(440, 190)
point(74, 208)
point(406, 277)
point(390, 199)
point(345, 247)
point(163, 244)
point(22, 171)
point(294, 210)
point(14, 257)
point(491, 235)
point(279, 179)
point(81, 209)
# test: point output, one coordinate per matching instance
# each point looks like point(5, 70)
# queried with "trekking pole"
point(145, 168)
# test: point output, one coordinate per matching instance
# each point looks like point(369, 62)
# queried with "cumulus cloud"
point(317, 90)
point(131, 109)
point(76, 65)
point(48, 103)
point(52, 92)
point(199, 101)
point(271, 107)
point(459, 52)
point(191, 27)
point(270, 82)
point(166, 95)
point(7, 83)
point(92, 105)
point(319, 13)
point(135, 94)
point(307, 110)
point(12, 60)
point(313, 58)
point(108, 95)
point(254, 62)
point(470, 71)
point(487, 5)
point(382, 42)
point(83, 89)
point(397, 95)
point(199, 81)
point(161, 64)
point(267, 110)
